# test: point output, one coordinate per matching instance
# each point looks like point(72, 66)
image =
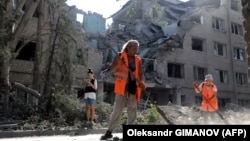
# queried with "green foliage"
point(131, 13)
point(67, 107)
point(124, 118)
point(5, 54)
point(153, 115)
point(103, 110)
point(141, 119)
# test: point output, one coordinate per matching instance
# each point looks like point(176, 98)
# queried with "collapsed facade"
point(201, 37)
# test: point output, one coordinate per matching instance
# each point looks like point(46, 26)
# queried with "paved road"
point(89, 137)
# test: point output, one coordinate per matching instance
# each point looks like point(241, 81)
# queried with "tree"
point(37, 60)
point(11, 29)
point(246, 24)
point(61, 59)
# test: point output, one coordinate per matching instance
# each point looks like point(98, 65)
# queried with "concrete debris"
point(233, 114)
point(153, 39)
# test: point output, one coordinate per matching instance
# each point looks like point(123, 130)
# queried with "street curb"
point(13, 134)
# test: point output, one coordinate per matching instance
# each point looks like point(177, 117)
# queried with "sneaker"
point(107, 135)
point(92, 123)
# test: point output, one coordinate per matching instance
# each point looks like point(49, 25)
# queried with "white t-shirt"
point(91, 94)
point(214, 88)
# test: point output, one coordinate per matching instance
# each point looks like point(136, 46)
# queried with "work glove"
point(142, 85)
point(195, 85)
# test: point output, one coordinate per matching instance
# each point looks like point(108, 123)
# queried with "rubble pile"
point(179, 115)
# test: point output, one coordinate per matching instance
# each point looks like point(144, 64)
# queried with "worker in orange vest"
point(208, 90)
point(129, 82)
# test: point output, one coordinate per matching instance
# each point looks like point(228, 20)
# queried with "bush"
point(153, 116)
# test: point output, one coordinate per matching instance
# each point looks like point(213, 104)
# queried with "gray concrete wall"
point(206, 58)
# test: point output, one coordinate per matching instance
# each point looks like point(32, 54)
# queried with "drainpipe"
point(234, 97)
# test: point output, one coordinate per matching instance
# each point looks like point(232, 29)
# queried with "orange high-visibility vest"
point(209, 105)
point(121, 76)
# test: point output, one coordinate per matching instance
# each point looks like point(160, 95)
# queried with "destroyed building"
point(22, 68)
point(181, 42)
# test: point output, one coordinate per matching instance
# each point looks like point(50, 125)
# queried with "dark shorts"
point(90, 101)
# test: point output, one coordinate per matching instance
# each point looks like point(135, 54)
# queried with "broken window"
point(121, 27)
point(236, 29)
point(199, 73)
point(218, 24)
point(197, 19)
point(222, 76)
point(175, 70)
point(27, 52)
point(79, 17)
point(239, 54)
point(241, 78)
point(219, 49)
point(197, 44)
point(235, 5)
point(150, 64)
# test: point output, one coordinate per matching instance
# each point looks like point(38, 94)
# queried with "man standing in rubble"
point(208, 90)
point(129, 83)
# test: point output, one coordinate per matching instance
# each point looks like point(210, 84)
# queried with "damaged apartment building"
point(22, 68)
point(181, 42)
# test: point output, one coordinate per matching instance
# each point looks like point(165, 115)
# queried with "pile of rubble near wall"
point(231, 114)
point(150, 45)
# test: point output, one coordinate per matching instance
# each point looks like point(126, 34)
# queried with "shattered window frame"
point(175, 70)
point(239, 54)
point(199, 73)
point(220, 49)
point(198, 19)
point(236, 29)
point(235, 5)
point(241, 79)
point(222, 76)
point(218, 24)
point(197, 44)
